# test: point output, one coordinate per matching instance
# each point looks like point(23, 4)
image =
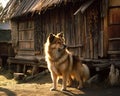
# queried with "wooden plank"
point(24, 69)
point(114, 3)
point(19, 76)
point(114, 14)
point(113, 52)
point(105, 32)
point(86, 40)
point(83, 34)
point(26, 53)
point(114, 39)
point(75, 46)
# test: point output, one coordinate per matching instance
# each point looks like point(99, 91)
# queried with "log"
point(75, 46)
point(19, 76)
point(36, 75)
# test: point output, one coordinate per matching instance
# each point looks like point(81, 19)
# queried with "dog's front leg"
point(54, 79)
point(69, 81)
point(64, 83)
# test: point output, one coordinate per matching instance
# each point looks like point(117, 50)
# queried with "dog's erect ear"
point(51, 37)
point(61, 34)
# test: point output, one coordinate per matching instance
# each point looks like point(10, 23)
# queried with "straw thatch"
point(16, 8)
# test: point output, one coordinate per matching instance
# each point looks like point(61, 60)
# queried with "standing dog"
point(61, 63)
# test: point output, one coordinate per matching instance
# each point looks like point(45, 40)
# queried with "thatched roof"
point(16, 8)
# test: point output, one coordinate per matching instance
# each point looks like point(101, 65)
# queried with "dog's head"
point(57, 42)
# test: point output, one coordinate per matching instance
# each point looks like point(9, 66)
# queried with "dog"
point(62, 63)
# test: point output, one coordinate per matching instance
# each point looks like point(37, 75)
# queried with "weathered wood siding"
point(59, 19)
point(14, 35)
point(114, 28)
point(26, 35)
point(23, 35)
point(81, 29)
point(92, 33)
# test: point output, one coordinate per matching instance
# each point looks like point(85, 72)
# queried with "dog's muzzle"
point(62, 47)
point(65, 46)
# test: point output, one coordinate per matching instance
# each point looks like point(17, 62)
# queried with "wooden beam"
point(75, 46)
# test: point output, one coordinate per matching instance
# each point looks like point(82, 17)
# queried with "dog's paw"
point(63, 89)
point(53, 89)
point(69, 84)
point(79, 87)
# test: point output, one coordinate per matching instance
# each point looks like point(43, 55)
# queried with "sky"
point(4, 2)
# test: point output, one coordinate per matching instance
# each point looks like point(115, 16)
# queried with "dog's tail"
point(86, 72)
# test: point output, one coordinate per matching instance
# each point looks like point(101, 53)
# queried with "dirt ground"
point(40, 87)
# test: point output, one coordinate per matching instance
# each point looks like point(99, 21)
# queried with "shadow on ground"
point(7, 92)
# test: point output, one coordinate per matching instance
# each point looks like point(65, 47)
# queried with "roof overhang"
point(84, 6)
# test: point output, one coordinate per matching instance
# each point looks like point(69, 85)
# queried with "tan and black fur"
point(61, 63)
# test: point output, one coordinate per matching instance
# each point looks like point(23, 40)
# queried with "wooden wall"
point(23, 35)
point(14, 35)
point(82, 31)
point(114, 28)
point(91, 34)
point(59, 19)
point(26, 35)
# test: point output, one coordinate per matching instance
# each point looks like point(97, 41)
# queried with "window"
point(26, 35)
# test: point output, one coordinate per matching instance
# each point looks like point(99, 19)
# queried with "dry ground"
point(40, 87)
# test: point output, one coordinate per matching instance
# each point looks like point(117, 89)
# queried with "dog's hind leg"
point(78, 78)
point(55, 81)
point(80, 84)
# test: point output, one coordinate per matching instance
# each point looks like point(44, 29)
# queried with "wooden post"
point(18, 68)
point(105, 33)
point(9, 64)
point(34, 70)
point(24, 69)
point(0, 62)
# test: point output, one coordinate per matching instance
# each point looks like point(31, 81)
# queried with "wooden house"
point(91, 28)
